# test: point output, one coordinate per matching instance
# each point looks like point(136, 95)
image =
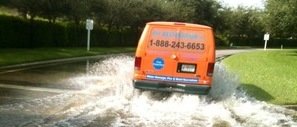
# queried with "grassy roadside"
point(267, 75)
point(16, 56)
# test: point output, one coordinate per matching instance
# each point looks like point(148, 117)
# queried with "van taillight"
point(210, 68)
point(137, 63)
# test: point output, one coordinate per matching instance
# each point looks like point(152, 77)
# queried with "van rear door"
point(158, 62)
point(173, 54)
point(191, 62)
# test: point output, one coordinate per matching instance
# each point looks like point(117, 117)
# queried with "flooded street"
point(99, 93)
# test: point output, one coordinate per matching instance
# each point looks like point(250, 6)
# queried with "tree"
point(28, 8)
point(281, 17)
point(52, 9)
point(242, 22)
point(119, 13)
point(204, 11)
point(77, 10)
point(4, 2)
point(176, 10)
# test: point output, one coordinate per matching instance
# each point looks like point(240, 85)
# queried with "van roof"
point(178, 23)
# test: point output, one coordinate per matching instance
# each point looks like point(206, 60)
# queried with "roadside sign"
point(89, 24)
point(266, 37)
point(89, 27)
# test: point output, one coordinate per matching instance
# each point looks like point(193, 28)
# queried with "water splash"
point(226, 104)
point(225, 84)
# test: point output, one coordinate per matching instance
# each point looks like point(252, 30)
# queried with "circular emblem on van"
point(158, 63)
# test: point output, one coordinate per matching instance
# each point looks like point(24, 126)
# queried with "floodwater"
point(101, 95)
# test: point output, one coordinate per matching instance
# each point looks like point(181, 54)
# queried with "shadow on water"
point(36, 84)
point(159, 95)
point(21, 119)
point(257, 92)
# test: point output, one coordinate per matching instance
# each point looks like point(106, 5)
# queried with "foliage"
point(281, 18)
point(20, 33)
point(205, 11)
point(4, 2)
point(28, 8)
point(121, 13)
point(52, 9)
point(259, 42)
point(243, 23)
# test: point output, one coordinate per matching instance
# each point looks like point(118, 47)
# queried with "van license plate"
point(190, 68)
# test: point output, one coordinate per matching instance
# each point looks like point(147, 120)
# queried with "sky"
point(248, 3)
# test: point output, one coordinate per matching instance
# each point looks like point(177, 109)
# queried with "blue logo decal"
point(158, 63)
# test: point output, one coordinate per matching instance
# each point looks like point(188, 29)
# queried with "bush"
point(222, 40)
point(259, 42)
point(19, 33)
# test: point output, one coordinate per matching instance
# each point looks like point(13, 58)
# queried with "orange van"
point(175, 57)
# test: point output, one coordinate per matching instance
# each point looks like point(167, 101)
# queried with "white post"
point(89, 27)
point(266, 38)
point(282, 47)
point(265, 45)
point(88, 45)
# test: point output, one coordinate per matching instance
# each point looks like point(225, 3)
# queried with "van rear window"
point(177, 39)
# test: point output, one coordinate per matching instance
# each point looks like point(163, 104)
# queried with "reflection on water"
point(106, 99)
point(52, 76)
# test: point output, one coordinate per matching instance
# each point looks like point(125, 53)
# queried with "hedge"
point(16, 32)
point(20, 33)
point(258, 42)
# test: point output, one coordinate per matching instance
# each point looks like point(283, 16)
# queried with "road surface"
point(97, 92)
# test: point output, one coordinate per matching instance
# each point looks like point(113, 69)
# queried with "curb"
point(40, 63)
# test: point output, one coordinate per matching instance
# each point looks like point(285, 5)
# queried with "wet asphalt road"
point(44, 86)
point(42, 81)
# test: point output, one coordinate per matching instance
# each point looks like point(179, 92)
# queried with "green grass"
point(16, 56)
point(267, 75)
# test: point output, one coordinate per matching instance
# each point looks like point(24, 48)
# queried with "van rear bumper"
point(171, 87)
